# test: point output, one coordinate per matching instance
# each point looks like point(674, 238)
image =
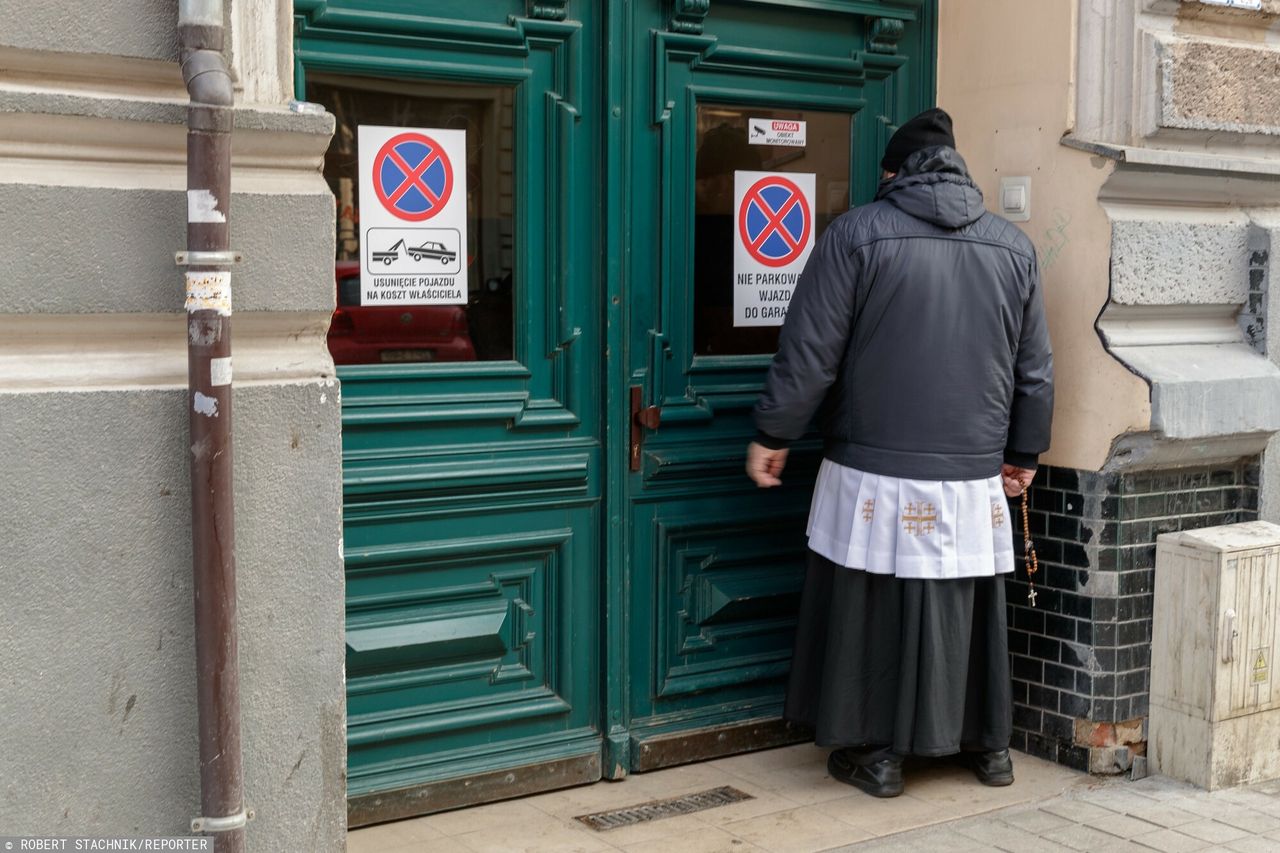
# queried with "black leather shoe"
point(993, 768)
point(881, 778)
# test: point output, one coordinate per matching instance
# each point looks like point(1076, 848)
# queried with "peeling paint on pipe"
point(202, 206)
point(209, 291)
point(202, 405)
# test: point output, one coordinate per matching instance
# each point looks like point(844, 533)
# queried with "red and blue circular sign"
point(412, 176)
point(774, 221)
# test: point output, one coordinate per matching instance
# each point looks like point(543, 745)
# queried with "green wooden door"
point(533, 599)
point(700, 621)
point(473, 467)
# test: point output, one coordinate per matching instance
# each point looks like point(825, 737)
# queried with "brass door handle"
point(642, 418)
point(650, 417)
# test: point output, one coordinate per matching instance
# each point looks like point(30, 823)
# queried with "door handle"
point(642, 418)
point(1229, 634)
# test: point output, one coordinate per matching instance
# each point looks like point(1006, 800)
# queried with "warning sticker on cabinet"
point(1261, 665)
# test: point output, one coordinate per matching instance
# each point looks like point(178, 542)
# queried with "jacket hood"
point(934, 185)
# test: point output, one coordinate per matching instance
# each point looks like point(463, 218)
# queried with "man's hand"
point(764, 465)
point(1015, 479)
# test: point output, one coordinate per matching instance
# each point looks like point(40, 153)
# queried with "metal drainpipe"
point(208, 260)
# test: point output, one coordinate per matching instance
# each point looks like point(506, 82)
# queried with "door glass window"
point(480, 330)
point(724, 147)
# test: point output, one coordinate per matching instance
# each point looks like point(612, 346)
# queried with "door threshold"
point(668, 750)
point(473, 790)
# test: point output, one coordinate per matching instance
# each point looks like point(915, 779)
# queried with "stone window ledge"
point(1174, 159)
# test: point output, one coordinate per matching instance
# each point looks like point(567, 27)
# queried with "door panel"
point(714, 564)
point(453, 639)
point(727, 584)
point(471, 436)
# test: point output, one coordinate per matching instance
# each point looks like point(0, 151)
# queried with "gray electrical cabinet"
point(1215, 706)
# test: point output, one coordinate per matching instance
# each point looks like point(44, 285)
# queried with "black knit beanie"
point(927, 130)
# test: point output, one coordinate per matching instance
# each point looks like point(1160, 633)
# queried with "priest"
point(916, 335)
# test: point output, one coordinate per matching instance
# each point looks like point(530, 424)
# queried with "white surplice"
point(930, 529)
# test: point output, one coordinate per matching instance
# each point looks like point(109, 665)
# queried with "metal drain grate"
point(658, 809)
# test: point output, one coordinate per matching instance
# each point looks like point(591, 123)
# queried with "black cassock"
point(919, 667)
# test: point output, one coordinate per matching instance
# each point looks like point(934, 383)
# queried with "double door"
point(556, 568)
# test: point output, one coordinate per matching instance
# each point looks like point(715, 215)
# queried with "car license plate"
point(406, 355)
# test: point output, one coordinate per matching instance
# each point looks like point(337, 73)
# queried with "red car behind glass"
point(388, 334)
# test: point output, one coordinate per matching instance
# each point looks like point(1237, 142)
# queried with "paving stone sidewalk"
point(1111, 815)
point(796, 807)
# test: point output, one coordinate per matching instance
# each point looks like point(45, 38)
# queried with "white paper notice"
point(773, 235)
point(413, 216)
point(768, 131)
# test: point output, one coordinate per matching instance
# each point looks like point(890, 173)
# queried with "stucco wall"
point(1011, 96)
point(98, 693)
point(97, 665)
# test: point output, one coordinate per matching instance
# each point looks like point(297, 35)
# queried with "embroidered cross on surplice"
point(997, 514)
point(868, 510)
point(919, 518)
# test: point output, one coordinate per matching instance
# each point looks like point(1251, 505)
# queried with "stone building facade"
point(1151, 138)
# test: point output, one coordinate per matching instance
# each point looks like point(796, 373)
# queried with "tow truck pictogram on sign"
point(413, 251)
point(774, 221)
point(388, 256)
point(412, 176)
point(430, 249)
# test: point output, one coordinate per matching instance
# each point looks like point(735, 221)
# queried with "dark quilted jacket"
point(917, 335)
